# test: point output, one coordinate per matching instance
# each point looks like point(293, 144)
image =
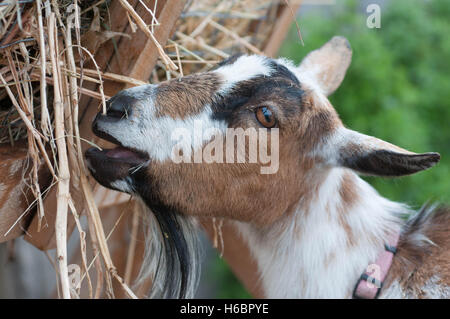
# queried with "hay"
point(42, 76)
point(210, 31)
point(40, 73)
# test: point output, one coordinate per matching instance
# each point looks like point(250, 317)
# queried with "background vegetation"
point(397, 88)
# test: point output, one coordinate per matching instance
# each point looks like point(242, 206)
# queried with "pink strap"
point(371, 281)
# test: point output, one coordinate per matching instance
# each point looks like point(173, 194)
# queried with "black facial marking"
point(223, 106)
point(283, 72)
point(229, 60)
point(282, 85)
point(256, 92)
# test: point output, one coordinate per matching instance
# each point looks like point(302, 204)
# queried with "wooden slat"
point(281, 28)
point(143, 65)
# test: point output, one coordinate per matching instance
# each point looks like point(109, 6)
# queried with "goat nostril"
point(117, 109)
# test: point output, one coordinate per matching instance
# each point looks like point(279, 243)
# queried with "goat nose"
point(119, 107)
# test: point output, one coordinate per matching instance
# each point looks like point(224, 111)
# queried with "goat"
point(314, 227)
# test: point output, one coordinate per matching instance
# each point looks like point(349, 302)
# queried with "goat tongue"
point(124, 153)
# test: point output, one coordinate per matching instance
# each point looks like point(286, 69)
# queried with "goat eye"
point(265, 116)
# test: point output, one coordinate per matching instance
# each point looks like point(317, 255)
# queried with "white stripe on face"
point(244, 68)
point(163, 129)
point(146, 132)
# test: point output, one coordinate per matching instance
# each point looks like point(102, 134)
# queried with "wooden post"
point(281, 28)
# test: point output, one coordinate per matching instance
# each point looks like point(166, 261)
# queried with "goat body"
point(292, 188)
point(321, 249)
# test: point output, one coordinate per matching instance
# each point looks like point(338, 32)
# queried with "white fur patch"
point(394, 291)
point(244, 68)
point(332, 146)
point(434, 289)
point(308, 73)
point(306, 255)
point(155, 135)
point(329, 148)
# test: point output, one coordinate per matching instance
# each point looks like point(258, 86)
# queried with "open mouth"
point(110, 165)
point(126, 154)
point(119, 153)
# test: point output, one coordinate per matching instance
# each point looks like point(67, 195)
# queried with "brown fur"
point(179, 98)
point(244, 194)
point(330, 258)
point(318, 119)
point(348, 191)
point(416, 262)
point(349, 196)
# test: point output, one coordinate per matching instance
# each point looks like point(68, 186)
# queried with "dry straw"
point(42, 76)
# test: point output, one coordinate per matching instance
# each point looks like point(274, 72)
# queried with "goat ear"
point(372, 156)
point(327, 65)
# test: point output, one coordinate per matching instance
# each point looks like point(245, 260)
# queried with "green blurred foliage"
point(398, 85)
point(228, 286)
point(397, 88)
